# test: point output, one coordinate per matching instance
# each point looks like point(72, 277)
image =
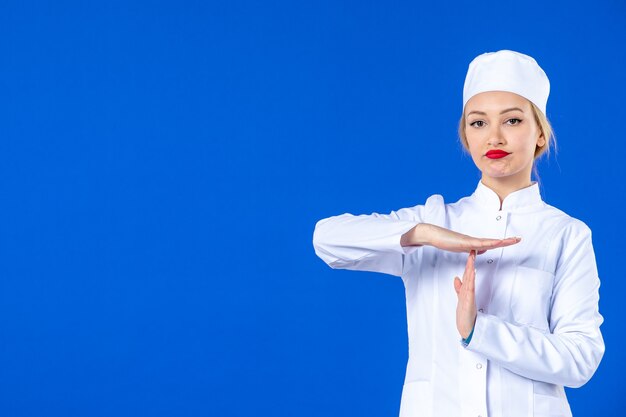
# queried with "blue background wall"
point(163, 164)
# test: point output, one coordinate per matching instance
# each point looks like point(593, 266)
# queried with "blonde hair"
point(542, 122)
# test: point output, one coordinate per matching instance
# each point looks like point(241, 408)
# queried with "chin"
point(505, 174)
point(496, 174)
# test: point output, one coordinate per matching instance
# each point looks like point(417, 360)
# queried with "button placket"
point(498, 226)
point(472, 369)
point(500, 222)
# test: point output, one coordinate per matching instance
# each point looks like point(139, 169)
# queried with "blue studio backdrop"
point(163, 165)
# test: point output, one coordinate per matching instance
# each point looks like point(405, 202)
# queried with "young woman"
point(523, 322)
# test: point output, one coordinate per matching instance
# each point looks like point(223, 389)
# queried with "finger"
point(471, 280)
point(469, 265)
point(511, 241)
point(457, 285)
point(490, 243)
point(487, 244)
point(470, 273)
point(481, 244)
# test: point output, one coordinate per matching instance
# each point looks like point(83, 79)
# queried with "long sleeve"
point(571, 351)
point(366, 242)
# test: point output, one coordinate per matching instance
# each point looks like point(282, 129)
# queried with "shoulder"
point(435, 210)
point(417, 213)
point(570, 244)
point(567, 235)
point(565, 224)
point(428, 212)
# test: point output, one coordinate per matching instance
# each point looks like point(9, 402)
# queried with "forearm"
point(367, 242)
point(567, 358)
point(417, 236)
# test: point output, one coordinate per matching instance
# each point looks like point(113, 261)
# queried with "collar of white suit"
point(525, 197)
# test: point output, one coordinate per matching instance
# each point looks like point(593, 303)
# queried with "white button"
point(479, 366)
point(498, 218)
point(489, 261)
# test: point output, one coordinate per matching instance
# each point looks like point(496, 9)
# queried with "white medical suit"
point(538, 325)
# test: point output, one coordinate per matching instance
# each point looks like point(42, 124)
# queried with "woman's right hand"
point(445, 239)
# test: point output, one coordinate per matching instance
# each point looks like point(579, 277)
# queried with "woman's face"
point(502, 135)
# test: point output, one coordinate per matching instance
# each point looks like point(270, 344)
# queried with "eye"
point(477, 123)
point(514, 121)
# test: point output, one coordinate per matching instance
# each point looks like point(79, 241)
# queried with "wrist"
point(468, 333)
point(468, 329)
point(468, 339)
point(421, 233)
point(413, 237)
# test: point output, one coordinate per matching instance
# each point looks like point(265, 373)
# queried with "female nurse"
point(501, 288)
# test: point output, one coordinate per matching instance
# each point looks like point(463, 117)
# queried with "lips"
point(496, 154)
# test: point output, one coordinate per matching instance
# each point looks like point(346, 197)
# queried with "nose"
point(495, 136)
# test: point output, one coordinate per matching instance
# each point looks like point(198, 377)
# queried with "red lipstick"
point(496, 154)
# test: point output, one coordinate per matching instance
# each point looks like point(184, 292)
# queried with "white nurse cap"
point(507, 71)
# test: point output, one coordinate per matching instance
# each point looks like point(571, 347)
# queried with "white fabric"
point(538, 326)
point(507, 71)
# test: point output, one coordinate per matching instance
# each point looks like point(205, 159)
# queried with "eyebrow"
point(502, 112)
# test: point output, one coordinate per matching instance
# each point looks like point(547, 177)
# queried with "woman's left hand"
point(466, 306)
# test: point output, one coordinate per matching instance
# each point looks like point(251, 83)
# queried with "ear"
point(541, 140)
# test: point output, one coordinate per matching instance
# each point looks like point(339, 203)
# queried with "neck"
point(506, 185)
